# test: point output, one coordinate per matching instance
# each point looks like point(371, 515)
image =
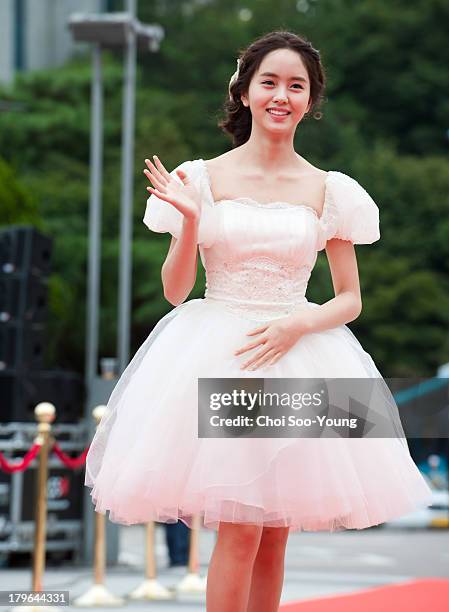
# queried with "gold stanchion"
point(98, 594)
point(150, 588)
point(45, 414)
point(193, 583)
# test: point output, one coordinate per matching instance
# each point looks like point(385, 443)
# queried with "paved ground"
point(317, 564)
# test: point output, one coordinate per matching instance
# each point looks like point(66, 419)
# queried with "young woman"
point(259, 215)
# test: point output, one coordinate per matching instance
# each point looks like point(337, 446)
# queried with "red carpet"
point(424, 595)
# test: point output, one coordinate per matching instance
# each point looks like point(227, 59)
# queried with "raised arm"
point(180, 267)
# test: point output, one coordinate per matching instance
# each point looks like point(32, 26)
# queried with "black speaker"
point(25, 256)
point(21, 392)
point(25, 263)
point(22, 346)
point(23, 297)
point(24, 249)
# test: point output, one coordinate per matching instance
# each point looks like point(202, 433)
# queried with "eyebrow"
point(294, 78)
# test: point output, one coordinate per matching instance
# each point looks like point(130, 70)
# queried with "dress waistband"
point(257, 310)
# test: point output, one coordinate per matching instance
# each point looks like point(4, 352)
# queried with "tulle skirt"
point(147, 463)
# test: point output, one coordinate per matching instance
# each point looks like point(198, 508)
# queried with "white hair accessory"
point(234, 77)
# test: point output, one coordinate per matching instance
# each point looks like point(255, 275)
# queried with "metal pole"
point(125, 267)
point(94, 262)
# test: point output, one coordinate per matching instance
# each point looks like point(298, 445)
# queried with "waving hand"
point(183, 196)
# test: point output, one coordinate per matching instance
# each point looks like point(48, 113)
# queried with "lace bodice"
point(259, 257)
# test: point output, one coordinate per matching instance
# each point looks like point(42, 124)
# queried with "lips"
point(278, 117)
point(279, 112)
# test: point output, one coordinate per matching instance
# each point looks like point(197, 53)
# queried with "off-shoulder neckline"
point(268, 205)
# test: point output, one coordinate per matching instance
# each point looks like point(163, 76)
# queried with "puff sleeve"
point(160, 216)
point(349, 212)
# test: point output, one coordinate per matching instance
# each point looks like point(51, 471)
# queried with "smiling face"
point(281, 82)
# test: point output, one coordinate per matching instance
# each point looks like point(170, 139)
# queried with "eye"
point(263, 83)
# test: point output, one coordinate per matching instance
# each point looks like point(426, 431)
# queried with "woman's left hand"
point(277, 337)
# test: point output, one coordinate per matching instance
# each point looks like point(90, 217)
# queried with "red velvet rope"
point(70, 462)
point(19, 466)
point(22, 465)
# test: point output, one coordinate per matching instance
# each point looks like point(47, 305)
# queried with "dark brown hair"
point(237, 120)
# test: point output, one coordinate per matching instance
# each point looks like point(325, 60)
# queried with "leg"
point(230, 568)
point(268, 571)
point(177, 538)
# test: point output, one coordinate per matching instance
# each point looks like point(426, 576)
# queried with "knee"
point(272, 544)
point(242, 540)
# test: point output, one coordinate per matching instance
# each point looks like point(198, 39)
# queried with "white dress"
point(146, 461)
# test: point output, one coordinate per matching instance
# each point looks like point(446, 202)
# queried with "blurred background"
point(385, 121)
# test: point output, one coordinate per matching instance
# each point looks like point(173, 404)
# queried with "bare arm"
point(180, 267)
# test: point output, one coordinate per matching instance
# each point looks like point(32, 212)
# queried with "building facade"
point(34, 33)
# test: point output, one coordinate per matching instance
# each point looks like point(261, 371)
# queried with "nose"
point(280, 96)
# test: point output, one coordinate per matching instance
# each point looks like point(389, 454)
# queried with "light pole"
point(110, 30)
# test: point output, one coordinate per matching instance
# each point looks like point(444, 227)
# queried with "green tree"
point(384, 124)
